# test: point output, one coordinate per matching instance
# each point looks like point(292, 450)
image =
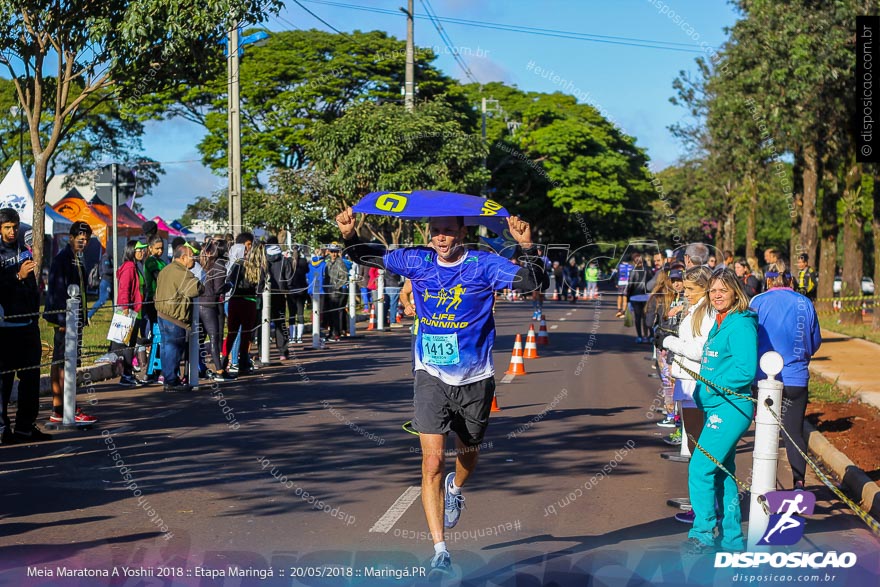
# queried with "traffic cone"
point(372, 324)
point(495, 407)
point(555, 297)
point(531, 351)
point(517, 367)
point(543, 337)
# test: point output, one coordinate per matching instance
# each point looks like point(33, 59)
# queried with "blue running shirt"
point(455, 328)
point(623, 271)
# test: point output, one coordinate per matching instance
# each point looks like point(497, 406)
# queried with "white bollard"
point(266, 326)
point(192, 375)
point(380, 301)
point(352, 300)
point(316, 321)
point(766, 446)
point(71, 338)
point(685, 449)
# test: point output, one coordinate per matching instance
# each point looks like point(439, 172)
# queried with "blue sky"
point(631, 84)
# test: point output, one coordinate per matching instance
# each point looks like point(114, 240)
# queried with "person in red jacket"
point(130, 299)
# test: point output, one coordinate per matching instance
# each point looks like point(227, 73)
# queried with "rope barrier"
point(848, 299)
point(701, 379)
point(762, 500)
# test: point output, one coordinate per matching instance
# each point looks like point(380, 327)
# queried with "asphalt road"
point(304, 469)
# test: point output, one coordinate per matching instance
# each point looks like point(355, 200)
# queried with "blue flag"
point(420, 204)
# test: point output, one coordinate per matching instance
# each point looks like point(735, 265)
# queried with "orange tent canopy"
point(75, 208)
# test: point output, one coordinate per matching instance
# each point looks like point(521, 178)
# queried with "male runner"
point(454, 290)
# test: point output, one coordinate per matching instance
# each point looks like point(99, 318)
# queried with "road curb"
point(853, 480)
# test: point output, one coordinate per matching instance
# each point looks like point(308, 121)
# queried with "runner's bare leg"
point(432, 482)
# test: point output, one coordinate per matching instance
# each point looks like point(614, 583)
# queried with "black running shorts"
point(463, 409)
point(58, 345)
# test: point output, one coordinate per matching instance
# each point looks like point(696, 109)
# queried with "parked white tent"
point(16, 193)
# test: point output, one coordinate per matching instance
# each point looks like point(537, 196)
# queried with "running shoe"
point(80, 418)
point(685, 517)
point(674, 439)
point(453, 504)
point(667, 422)
point(692, 546)
point(638, 340)
point(222, 376)
point(129, 381)
point(32, 434)
point(798, 486)
point(441, 566)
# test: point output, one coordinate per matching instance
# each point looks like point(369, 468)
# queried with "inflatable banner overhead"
point(420, 204)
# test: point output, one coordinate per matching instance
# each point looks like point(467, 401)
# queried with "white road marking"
point(568, 313)
point(507, 378)
point(63, 451)
point(166, 413)
point(397, 509)
point(554, 327)
point(562, 319)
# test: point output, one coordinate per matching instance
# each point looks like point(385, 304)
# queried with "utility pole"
point(114, 174)
point(485, 108)
point(234, 173)
point(410, 82)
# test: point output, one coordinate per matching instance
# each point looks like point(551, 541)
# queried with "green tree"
point(293, 81)
point(795, 58)
point(562, 160)
point(384, 147)
point(101, 49)
point(296, 201)
point(211, 208)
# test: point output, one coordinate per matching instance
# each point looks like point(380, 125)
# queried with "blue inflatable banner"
point(421, 204)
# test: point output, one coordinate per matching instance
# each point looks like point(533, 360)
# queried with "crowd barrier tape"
point(848, 299)
point(873, 525)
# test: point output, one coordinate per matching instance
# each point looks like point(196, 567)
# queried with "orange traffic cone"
point(372, 324)
point(531, 351)
point(543, 337)
point(555, 297)
point(495, 407)
point(517, 367)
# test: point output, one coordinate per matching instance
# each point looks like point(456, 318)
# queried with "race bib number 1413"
point(440, 349)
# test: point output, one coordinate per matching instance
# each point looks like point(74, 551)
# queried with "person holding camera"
point(20, 344)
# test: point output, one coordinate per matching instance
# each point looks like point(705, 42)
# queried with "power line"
point(592, 37)
point(444, 36)
point(334, 29)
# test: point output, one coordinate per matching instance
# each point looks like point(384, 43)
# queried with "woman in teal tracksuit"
point(730, 358)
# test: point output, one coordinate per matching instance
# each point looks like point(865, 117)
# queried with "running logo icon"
point(786, 526)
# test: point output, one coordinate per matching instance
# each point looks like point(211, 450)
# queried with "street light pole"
point(232, 64)
point(409, 84)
